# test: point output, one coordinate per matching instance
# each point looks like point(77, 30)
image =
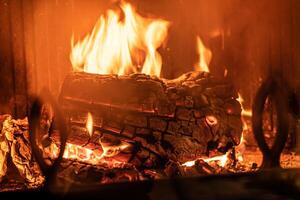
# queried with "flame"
point(221, 159)
point(89, 124)
point(205, 56)
point(241, 148)
point(116, 43)
point(245, 113)
point(83, 154)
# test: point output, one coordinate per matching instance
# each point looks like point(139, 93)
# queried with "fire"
point(245, 113)
point(205, 56)
point(83, 154)
point(240, 149)
point(221, 159)
point(89, 124)
point(117, 44)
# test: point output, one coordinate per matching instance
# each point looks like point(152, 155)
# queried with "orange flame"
point(83, 154)
point(245, 113)
point(89, 124)
point(205, 56)
point(117, 42)
point(221, 159)
point(240, 149)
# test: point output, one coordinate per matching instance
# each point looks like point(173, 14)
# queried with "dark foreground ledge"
point(270, 184)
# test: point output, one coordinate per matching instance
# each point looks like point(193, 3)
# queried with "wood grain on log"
point(177, 120)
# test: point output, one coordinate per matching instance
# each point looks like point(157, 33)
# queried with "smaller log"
point(203, 166)
point(83, 173)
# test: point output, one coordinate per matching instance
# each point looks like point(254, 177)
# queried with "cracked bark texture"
point(162, 120)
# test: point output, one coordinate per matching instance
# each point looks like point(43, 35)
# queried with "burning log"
point(157, 120)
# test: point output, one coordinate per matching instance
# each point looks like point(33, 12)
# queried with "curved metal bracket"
point(275, 89)
point(34, 125)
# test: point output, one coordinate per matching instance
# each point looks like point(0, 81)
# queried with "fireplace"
point(99, 97)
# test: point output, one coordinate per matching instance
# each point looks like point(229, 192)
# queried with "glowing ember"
point(221, 159)
point(89, 124)
point(117, 44)
point(211, 120)
point(83, 154)
point(205, 56)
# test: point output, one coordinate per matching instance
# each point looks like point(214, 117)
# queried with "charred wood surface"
point(162, 120)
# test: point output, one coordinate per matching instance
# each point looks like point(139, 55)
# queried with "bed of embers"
point(19, 170)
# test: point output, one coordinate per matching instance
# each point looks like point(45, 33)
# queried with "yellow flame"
point(83, 154)
point(116, 43)
point(240, 149)
point(89, 124)
point(221, 159)
point(245, 112)
point(205, 56)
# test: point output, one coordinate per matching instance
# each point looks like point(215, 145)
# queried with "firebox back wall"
point(256, 37)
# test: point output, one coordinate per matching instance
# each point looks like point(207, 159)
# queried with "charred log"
point(160, 120)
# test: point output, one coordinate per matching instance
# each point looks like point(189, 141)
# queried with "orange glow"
point(205, 56)
point(211, 120)
point(225, 72)
point(221, 159)
point(89, 124)
point(83, 154)
point(74, 152)
point(117, 44)
point(240, 149)
point(245, 113)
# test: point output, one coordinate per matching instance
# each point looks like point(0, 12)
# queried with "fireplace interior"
point(150, 99)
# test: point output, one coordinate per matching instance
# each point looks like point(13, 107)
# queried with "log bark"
point(163, 120)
